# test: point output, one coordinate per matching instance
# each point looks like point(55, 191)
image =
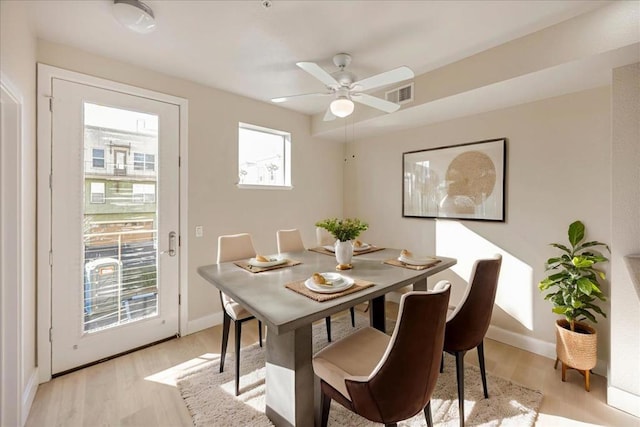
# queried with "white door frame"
point(45, 75)
point(11, 248)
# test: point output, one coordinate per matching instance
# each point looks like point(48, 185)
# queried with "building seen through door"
point(120, 230)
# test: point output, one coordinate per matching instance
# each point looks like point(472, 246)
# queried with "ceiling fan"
point(343, 87)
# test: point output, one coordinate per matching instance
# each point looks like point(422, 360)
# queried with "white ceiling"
point(241, 47)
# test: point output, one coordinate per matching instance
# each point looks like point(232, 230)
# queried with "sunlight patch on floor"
point(169, 376)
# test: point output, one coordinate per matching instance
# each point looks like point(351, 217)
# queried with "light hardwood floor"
point(138, 389)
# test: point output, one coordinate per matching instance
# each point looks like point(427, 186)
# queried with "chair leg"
point(260, 332)
point(325, 401)
point(226, 323)
point(353, 316)
point(238, 326)
point(442, 363)
point(327, 320)
point(483, 372)
point(460, 378)
point(427, 415)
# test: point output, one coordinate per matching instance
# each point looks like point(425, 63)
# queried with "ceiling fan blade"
point(386, 78)
point(328, 116)
point(305, 95)
point(319, 73)
point(372, 101)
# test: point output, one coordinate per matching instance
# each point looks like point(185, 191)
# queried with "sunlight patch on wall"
point(515, 286)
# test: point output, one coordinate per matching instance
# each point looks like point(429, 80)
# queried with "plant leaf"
point(576, 233)
point(581, 262)
point(561, 247)
point(585, 286)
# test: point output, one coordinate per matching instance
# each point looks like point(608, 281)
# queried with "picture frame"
point(464, 181)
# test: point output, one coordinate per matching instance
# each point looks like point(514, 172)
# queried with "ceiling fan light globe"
point(341, 107)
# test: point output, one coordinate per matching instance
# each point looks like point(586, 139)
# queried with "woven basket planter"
point(577, 349)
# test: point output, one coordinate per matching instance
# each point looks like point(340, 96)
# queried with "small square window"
point(98, 158)
point(264, 157)
point(97, 192)
point(144, 162)
point(149, 162)
point(144, 193)
point(138, 161)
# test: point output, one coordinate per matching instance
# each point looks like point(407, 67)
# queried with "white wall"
point(213, 199)
point(558, 170)
point(624, 378)
point(17, 63)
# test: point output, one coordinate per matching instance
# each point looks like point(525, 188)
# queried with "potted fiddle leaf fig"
point(573, 287)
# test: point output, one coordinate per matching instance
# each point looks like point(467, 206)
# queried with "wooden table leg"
point(587, 380)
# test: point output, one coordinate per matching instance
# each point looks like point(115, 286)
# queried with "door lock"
point(172, 245)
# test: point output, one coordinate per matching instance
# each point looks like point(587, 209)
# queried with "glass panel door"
point(114, 224)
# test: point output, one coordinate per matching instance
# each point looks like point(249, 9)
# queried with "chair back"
point(323, 237)
point(469, 322)
point(402, 383)
point(289, 241)
point(234, 247)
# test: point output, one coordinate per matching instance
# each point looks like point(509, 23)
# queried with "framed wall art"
point(465, 181)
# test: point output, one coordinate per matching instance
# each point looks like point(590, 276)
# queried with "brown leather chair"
point(388, 379)
point(231, 248)
point(468, 322)
point(291, 241)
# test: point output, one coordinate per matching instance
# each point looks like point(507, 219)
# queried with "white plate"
point(363, 247)
point(272, 262)
point(417, 260)
point(340, 283)
point(330, 248)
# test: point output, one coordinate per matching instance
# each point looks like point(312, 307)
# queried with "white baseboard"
point(204, 322)
point(535, 345)
point(29, 394)
point(623, 400)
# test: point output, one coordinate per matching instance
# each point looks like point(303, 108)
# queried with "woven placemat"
point(300, 288)
point(253, 269)
point(397, 263)
point(322, 250)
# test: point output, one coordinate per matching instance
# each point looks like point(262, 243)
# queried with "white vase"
point(344, 252)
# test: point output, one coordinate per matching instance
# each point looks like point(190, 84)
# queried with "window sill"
point(264, 187)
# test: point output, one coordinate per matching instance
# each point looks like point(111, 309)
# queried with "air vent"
point(400, 95)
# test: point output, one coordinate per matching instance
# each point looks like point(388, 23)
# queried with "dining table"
point(292, 390)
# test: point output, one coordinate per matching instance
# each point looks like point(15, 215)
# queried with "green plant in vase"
point(344, 230)
point(574, 292)
point(574, 282)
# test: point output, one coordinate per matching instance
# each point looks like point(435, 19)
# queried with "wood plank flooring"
point(138, 389)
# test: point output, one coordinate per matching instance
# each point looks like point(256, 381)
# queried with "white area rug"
point(209, 395)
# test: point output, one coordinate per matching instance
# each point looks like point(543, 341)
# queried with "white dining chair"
point(323, 237)
point(232, 248)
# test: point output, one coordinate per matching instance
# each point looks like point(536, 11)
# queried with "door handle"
point(172, 245)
